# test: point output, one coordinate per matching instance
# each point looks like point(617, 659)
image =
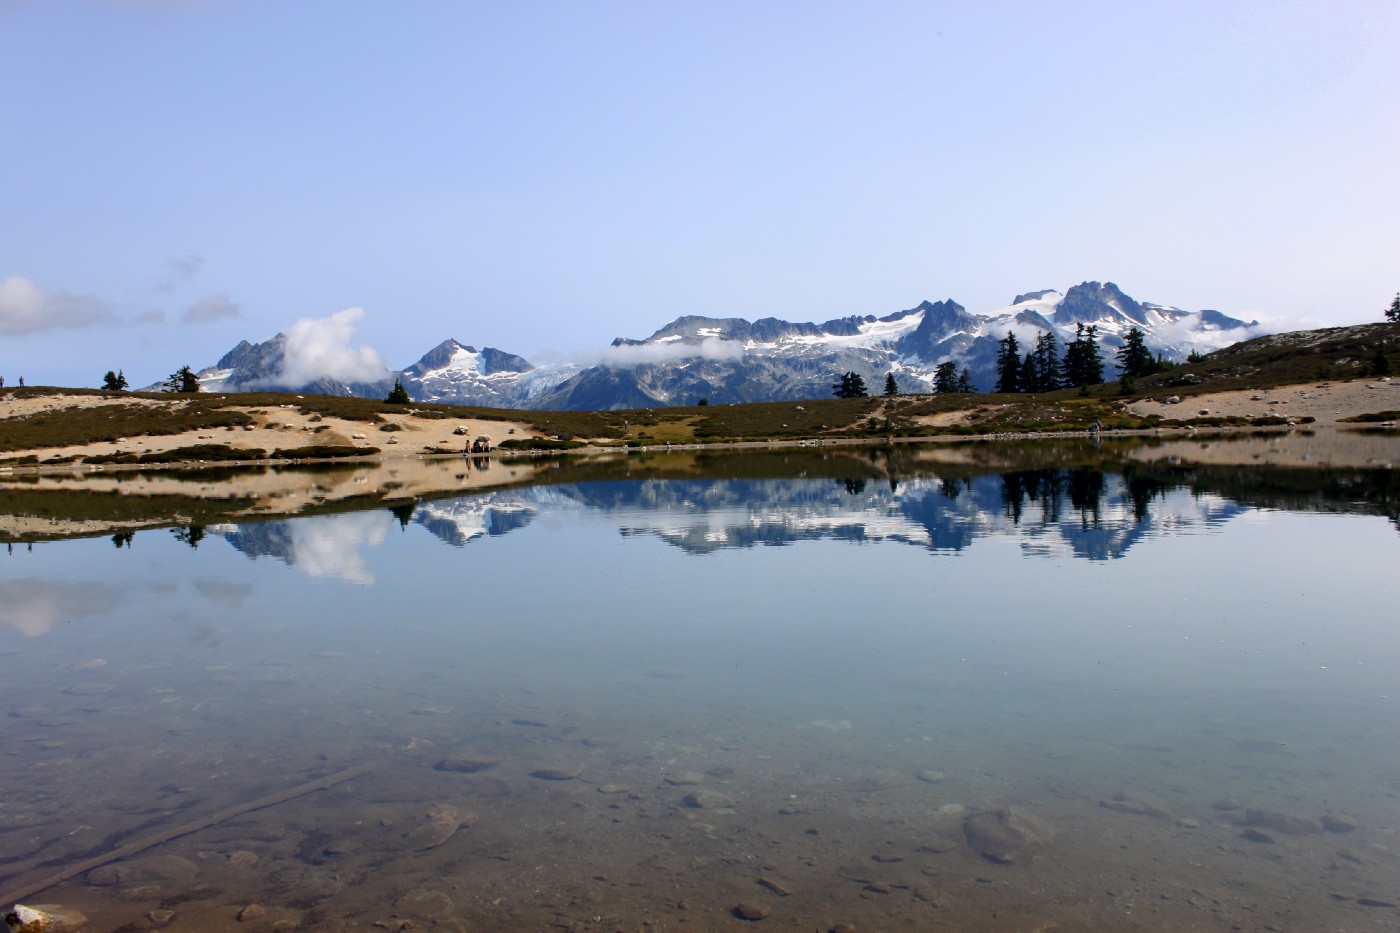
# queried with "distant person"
point(21, 382)
point(2, 382)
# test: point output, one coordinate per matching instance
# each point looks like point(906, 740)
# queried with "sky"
point(542, 177)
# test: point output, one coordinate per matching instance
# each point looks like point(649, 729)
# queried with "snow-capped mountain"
point(261, 367)
point(736, 360)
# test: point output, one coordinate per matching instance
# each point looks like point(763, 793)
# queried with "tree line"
point(1043, 369)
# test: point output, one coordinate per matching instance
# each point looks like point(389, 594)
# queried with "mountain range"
point(727, 360)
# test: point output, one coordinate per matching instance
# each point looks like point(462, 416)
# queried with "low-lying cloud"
point(319, 348)
point(626, 356)
point(25, 308)
point(1184, 332)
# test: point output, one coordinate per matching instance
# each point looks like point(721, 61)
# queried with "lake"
point(1054, 686)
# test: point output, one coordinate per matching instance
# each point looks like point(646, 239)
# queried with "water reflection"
point(34, 607)
point(864, 688)
point(327, 546)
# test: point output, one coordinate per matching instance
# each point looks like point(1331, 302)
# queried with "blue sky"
point(542, 177)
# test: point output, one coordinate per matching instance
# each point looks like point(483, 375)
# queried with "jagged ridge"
point(726, 360)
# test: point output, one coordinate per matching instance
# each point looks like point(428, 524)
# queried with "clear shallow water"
point(1118, 672)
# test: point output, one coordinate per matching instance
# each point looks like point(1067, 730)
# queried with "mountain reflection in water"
point(971, 689)
point(1079, 513)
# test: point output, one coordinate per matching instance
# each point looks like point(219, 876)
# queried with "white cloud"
point(711, 348)
point(25, 308)
point(1182, 333)
point(208, 309)
point(331, 546)
point(319, 348)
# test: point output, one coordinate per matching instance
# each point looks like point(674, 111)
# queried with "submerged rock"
point(43, 918)
point(1125, 803)
point(556, 774)
point(685, 779)
point(1282, 822)
point(707, 800)
point(443, 821)
point(748, 910)
point(467, 762)
point(424, 904)
point(1004, 835)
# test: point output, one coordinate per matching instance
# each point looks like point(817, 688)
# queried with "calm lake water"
point(1140, 696)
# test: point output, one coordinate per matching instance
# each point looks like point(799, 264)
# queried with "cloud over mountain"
point(622, 356)
point(319, 348)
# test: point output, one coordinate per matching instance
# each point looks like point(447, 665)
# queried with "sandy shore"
point(1326, 402)
point(273, 427)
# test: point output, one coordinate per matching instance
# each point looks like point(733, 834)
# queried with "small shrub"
point(1373, 416)
point(323, 452)
point(537, 443)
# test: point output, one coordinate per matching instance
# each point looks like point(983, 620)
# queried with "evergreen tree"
point(1008, 364)
point(965, 381)
point(114, 381)
point(1134, 359)
point(1392, 314)
point(1048, 372)
point(850, 386)
point(1083, 366)
point(890, 387)
point(1027, 374)
point(182, 380)
point(398, 395)
point(945, 377)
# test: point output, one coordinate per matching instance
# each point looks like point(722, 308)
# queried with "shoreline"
point(1319, 405)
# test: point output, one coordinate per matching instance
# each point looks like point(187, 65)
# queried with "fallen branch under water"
point(155, 839)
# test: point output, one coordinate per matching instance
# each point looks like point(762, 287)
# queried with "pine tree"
point(398, 395)
point(182, 380)
point(1008, 364)
point(1134, 359)
point(1048, 372)
point(1083, 366)
point(891, 388)
point(114, 381)
point(852, 385)
point(1392, 314)
point(945, 377)
point(965, 381)
point(1027, 380)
